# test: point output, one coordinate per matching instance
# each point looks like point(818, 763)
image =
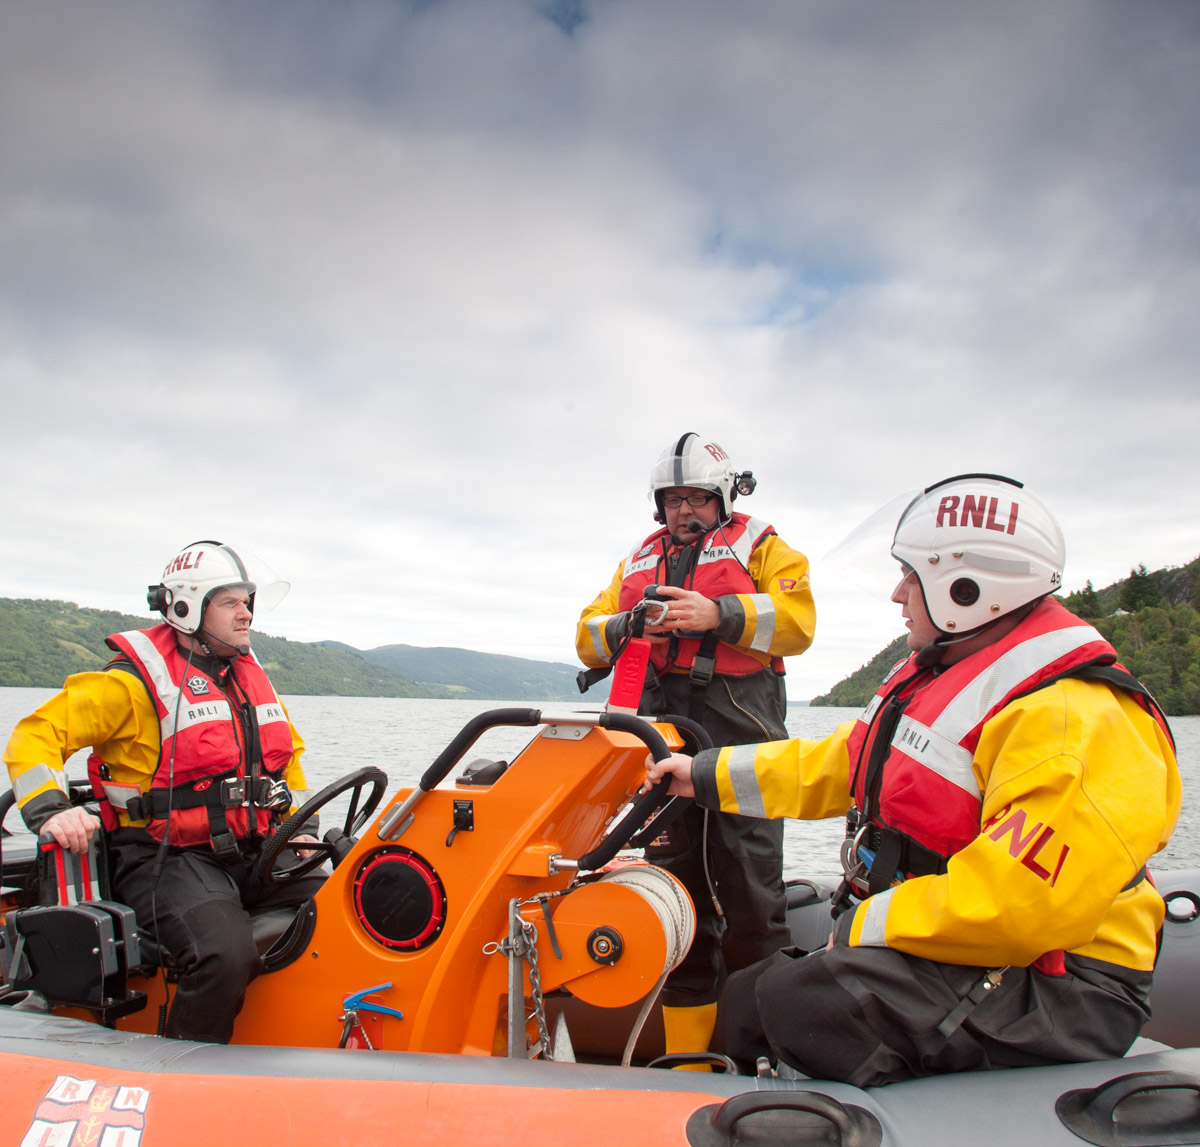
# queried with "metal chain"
point(535, 986)
point(520, 947)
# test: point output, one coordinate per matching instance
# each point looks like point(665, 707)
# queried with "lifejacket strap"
point(224, 793)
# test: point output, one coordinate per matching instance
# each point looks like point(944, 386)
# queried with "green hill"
point(857, 689)
point(485, 676)
point(43, 642)
point(1152, 619)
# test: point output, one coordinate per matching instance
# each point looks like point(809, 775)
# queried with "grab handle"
point(1091, 1113)
point(846, 1125)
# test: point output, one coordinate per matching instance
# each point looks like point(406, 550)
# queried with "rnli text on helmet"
point(185, 561)
point(978, 512)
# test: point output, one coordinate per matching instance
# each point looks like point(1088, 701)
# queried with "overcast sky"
point(407, 297)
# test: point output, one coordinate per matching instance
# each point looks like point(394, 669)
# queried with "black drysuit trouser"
point(744, 854)
point(197, 910)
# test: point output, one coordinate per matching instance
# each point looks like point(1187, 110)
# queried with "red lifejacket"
point(203, 752)
point(719, 569)
point(921, 782)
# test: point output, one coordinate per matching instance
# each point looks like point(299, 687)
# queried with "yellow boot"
point(689, 1030)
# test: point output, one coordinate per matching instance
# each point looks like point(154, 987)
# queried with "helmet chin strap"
point(931, 654)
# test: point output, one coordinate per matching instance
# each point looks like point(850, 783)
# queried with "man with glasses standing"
point(737, 601)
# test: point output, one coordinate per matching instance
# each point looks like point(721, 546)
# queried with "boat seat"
point(78, 946)
point(268, 926)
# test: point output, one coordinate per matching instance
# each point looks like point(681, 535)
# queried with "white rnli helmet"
point(703, 465)
point(194, 574)
point(981, 546)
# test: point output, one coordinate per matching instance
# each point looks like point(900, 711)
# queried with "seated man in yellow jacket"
point(194, 762)
point(1005, 788)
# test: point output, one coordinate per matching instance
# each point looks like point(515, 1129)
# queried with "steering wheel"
point(283, 836)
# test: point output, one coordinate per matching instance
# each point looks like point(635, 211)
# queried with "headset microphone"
point(696, 526)
point(931, 654)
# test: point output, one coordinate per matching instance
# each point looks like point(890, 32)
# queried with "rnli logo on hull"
point(85, 1113)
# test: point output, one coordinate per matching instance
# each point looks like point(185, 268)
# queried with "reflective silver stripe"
point(119, 795)
point(160, 679)
point(935, 752)
point(720, 549)
point(764, 630)
point(874, 926)
point(200, 712)
point(33, 779)
point(989, 688)
point(595, 628)
point(633, 566)
point(299, 796)
point(744, 780)
point(868, 714)
point(269, 713)
point(715, 553)
point(996, 565)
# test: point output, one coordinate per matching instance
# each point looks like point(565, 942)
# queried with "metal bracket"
point(565, 732)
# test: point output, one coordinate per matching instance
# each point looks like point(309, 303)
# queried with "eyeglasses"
point(674, 501)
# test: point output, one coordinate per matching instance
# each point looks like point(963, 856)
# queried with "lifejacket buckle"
point(702, 669)
point(233, 792)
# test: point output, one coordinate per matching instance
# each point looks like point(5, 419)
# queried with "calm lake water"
point(402, 736)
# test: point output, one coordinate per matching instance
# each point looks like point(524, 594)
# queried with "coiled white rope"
point(677, 919)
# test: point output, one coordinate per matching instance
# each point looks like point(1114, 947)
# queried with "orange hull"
point(199, 1110)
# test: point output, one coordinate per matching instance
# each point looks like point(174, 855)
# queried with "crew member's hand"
point(653, 633)
point(677, 767)
point(304, 853)
point(688, 610)
point(72, 828)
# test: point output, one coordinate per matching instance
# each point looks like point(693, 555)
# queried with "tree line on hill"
point(43, 642)
point(1152, 618)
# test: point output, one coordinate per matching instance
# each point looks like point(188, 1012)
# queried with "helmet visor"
point(864, 556)
point(259, 578)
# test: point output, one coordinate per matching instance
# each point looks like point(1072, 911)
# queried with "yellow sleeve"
point(110, 711)
point(293, 771)
point(780, 619)
point(1081, 789)
point(808, 780)
point(592, 643)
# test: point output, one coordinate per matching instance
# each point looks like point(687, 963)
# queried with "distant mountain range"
point(1153, 619)
point(42, 642)
point(465, 673)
